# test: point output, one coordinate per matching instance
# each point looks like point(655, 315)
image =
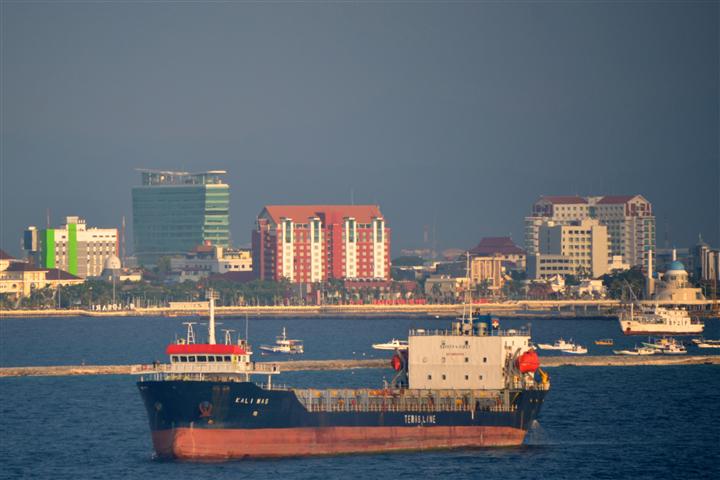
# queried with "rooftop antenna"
point(434, 236)
point(47, 218)
point(122, 239)
point(352, 196)
point(667, 232)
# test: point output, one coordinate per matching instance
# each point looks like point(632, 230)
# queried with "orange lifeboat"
point(528, 362)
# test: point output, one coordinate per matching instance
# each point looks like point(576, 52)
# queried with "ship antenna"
point(190, 333)
point(228, 337)
point(246, 328)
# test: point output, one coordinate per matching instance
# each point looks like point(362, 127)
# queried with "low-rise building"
point(487, 271)
point(75, 248)
point(512, 256)
point(546, 266)
point(206, 260)
point(19, 279)
point(443, 286)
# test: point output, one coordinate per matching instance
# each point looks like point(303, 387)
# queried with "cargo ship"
point(471, 385)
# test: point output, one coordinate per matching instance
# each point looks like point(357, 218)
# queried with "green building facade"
point(173, 212)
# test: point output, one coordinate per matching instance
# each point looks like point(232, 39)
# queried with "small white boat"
point(284, 345)
point(636, 351)
point(393, 344)
point(705, 343)
point(675, 349)
point(558, 345)
point(576, 349)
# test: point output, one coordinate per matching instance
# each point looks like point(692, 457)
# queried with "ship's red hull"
point(222, 444)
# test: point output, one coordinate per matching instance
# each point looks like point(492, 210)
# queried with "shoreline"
point(324, 365)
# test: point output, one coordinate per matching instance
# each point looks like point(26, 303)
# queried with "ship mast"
point(211, 296)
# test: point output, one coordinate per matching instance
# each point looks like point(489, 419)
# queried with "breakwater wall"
point(318, 365)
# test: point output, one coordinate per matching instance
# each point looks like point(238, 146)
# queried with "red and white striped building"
point(315, 243)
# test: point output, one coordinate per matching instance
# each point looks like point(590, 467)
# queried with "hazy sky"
point(463, 113)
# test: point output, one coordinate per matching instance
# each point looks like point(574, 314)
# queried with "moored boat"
point(576, 349)
point(559, 344)
point(636, 351)
point(284, 345)
point(643, 320)
point(667, 345)
point(605, 342)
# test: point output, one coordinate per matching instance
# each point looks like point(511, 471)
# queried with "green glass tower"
point(173, 212)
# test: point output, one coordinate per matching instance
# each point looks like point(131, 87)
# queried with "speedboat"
point(393, 344)
point(605, 342)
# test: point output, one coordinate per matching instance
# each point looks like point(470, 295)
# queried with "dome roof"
point(112, 263)
point(676, 266)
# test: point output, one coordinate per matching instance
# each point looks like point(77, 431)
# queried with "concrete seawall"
point(308, 365)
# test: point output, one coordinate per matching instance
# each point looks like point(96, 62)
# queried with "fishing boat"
point(576, 349)
point(284, 345)
point(605, 342)
point(558, 345)
point(667, 345)
point(393, 344)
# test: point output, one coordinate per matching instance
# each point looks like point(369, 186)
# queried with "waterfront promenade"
point(308, 365)
point(520, 308)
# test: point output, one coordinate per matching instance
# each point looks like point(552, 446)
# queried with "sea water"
point(597, 422)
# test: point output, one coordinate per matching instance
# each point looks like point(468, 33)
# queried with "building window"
point(429, 377)
point(484, 359)
point(444, 377)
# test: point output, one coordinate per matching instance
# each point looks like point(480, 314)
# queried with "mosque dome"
point(676, 267)
point(112, 263)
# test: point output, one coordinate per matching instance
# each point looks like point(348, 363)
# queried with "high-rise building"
point(74, 247)
point(314, 243)
point(629, 220)
point(175, 211)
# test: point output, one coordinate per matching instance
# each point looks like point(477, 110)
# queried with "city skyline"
point(456, 117)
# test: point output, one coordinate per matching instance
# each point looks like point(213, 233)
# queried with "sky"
point(453, 115)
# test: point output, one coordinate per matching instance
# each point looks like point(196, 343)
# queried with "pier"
point(319, 365)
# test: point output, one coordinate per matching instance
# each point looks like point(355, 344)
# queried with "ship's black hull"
point(214, 420)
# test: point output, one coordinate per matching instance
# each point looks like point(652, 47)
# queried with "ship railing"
point(368, 401)
point(252, 368)
point(422, 332)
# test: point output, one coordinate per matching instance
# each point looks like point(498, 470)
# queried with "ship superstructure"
point(472, 385)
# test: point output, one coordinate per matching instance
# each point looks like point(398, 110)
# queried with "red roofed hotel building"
point(629, 219)
point(315, 243)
